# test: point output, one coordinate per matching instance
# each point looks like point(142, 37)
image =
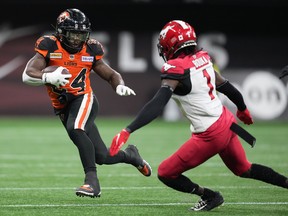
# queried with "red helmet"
point(174, 36)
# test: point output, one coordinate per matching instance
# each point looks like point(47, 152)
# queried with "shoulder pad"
point(172, 67)
point(95, 48)
point(45, 43)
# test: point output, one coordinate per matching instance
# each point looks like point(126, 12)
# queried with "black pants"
point(92, 149)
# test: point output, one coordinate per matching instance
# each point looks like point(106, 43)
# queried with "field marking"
point(133, 204)
point(102, 175)
point(133, 188)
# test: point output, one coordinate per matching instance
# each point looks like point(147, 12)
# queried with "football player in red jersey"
point(72, 96)
point(189, 78)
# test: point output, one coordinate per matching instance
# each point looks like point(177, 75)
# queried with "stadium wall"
point(248, 43)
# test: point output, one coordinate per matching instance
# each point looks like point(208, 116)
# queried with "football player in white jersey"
point(189, 78)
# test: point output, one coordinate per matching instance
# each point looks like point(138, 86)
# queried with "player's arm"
point(32, 74)
point(148, 113)
point(107, 73)
point(155, 106)
point(113, 77)
point(225, 87)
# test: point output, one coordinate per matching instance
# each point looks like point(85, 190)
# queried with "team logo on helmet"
point(164, 31)
point(63, 16)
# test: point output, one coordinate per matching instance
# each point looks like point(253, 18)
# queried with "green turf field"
point(40, 168)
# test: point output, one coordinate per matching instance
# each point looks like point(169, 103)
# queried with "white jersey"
point(196, 95)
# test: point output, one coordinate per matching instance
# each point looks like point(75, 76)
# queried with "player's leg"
point(91, 186)
point(191, 154)
point(234, 157)
point(266, 174)
point(71, 118)
point(194, 152)
point(130, 155)
point(134, 158)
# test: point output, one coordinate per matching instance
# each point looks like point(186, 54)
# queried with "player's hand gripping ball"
point(55, 75)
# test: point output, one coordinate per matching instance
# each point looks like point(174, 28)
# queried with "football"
point(52, 68)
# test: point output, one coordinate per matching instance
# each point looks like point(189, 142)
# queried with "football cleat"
point(87, 190)
point(207, 204)
point(145, 169)
point(137, 161)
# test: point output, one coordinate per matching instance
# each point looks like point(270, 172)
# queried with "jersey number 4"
point(78, 83)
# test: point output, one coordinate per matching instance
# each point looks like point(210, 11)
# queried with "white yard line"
point(131, 188)
point(134, 204)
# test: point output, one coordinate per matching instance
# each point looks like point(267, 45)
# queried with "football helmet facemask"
point(73, 29)
point(174, 36)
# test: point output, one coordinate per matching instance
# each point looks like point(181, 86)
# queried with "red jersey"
point(79, 65)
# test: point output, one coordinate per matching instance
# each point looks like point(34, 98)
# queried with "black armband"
point(152, 109)
point(233, 94)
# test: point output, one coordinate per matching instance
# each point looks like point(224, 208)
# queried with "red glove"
point(118, 141)
point(245, 116)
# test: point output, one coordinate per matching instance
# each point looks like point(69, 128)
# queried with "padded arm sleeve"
point(31, 80)
point(152, 109)
point(233, 94)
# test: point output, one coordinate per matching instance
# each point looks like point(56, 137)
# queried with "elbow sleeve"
point(233, 94)
point(31, 80)
point(152, 109)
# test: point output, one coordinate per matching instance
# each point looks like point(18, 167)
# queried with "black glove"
point(284, 72)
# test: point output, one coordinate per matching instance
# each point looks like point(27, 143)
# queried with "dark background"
point(265, 20)
point(235, 16)
point(256, 31)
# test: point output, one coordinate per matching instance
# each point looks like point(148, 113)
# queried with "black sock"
point(181, 183)
point(90, 177)
point(268, 175)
